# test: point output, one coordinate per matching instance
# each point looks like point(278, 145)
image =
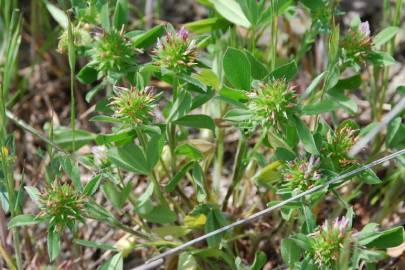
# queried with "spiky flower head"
point(176, 51)
point(113, 53)
point(271, 102)
point(357, 43)
point(62, 206)
point(339, 143)
point(133, 106)
point(81, 37)
point(300, 175)
point(328, 241)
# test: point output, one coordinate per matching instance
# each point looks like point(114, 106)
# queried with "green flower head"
point(300, 175)
point(113, 53)
point(357, 44)
point(339, 143)
point(175, 51)
point(271, 102)
point(133, 106)
point(328, 241)
point(62, 206)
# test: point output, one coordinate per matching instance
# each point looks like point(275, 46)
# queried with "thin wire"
point(386, 119)
point(264, 212)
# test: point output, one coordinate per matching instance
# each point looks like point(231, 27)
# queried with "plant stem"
point(72, 62)
point(274, 30)
point(172, 131)
point(7, 258)
point(238, 170)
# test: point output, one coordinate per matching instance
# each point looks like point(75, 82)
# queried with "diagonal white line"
point(155, 261)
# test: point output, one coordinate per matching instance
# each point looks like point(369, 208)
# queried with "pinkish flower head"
point(365, 28)
point(183, 33)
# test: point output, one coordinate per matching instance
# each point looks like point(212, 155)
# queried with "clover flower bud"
point(113, 53)
point(357, 43)
point(175, 51)
point(271, 102)
point(365, 29)
point(338, 145)
point(133, 106)
point(328, 241)
point(299, 175)
point(62, 205)
point(183, 33)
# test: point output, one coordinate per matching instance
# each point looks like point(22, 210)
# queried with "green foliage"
point(196, 130)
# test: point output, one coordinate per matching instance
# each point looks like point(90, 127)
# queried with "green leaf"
point(92, 186)
point(92, 92)
point(313, 4)
point(259, 70)
point(231, 10)
point(161, 214)
point(120, 18)
point(208, 77)
point(115, 263)
point(259, 262)
point(53, 244)
point(313, 85)
point(290, 252)
point(197, 121)
point(171, 185)
point(171, 230)
point(23, 220)
point(250, 9)
point(381, 58)
point(385, 35)
point(72, 170)
point(215, 220)
point(347, 103)
point(105, 17)
point(207, 25)
point(287, 71)
point(87, 75)
point(392, 130)
point(116, 195)
point(187, 262)
point(129, 157)
point(34, 194)
point(189, 151)
point(92, 244)
point(385, 239)
point(198, 176)
point(306, 137)
point(369, 177)
point(350, 83)
point(326, 105)
point(153, 150)
point(181, 106)
point(105, 119)
point(123, 136)
point(57, 14)
point(63, 137)
point(148, 38)
point(237, 69)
